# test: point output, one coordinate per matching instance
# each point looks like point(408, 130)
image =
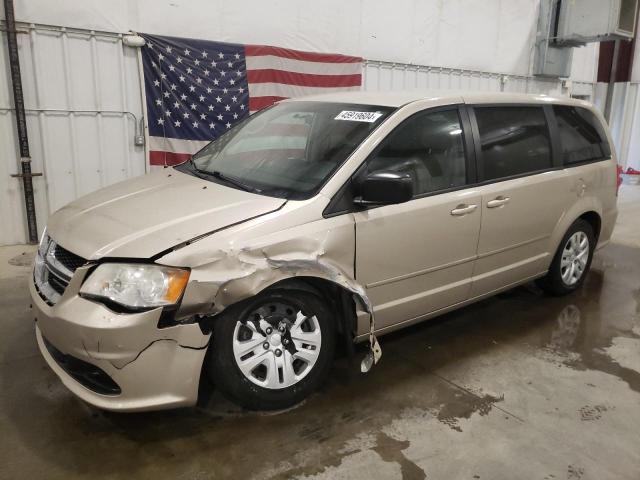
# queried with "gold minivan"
point(318, 220)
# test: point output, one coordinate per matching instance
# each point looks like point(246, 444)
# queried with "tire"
point(554, 282)
point(290, 369)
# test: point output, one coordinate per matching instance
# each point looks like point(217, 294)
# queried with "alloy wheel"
point(276, 345)
point(574, 258)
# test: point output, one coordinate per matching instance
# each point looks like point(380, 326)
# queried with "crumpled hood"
point(144, 216)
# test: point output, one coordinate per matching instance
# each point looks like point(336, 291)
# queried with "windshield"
point(288, 150)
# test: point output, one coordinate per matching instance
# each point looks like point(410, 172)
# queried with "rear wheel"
point(273, 350)
point(571, 261)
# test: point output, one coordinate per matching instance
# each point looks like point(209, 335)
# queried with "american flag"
point(197, 89)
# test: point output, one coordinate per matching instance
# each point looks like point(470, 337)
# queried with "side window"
point(581, 135)
point(430, 147)
point(514, 140)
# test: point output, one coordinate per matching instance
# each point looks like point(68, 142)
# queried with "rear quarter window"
point(582, 136)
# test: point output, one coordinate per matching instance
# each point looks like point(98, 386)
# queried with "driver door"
point(417, 257)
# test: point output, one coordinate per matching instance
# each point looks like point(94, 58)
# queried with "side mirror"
point(384, 188)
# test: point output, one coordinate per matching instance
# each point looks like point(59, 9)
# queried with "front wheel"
point(571, 261)
point(272, 351)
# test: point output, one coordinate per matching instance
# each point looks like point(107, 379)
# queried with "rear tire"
point(272, 351)
point(572, 260)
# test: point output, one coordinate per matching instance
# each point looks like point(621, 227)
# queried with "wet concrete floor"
point(520, 386)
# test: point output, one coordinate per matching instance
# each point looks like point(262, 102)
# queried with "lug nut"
point(282, 327)
point(285, 341)
point(278, 352)
point(266, 345)
point(269, 330)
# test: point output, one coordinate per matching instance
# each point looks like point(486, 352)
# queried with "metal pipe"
point(464, 72)
point(612, 82)
point(59, 29)
point(21, 121)
point(137, 122)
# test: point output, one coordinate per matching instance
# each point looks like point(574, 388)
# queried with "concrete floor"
point(517, 386)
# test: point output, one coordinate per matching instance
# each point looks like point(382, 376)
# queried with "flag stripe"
point(281, 130)
point(303, 79)
point(167, 158)
point(300, 66)
point(176, 144)
point(260, 50)
point(258, 103)
point(288, 91)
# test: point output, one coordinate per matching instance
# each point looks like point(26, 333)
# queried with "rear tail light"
point(618, 178)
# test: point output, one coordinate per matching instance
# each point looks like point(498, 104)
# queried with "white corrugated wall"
point(630, 137)
point(381, 76)
point(82, 94)
point(625, 120)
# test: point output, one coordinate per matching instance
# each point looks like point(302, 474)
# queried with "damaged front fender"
point(226, 271)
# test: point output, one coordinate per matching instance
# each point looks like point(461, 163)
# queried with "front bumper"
point(152, 368)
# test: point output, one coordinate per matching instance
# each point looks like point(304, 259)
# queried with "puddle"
point(454, 410)
point(25, 259)
point(391, 450)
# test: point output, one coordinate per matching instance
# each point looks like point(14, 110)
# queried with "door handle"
point(498, 202)
point(463, 209)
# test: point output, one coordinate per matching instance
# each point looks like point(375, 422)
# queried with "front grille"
point(53, 270)
point(71, 261)
point(58, 284)
point(88, 375)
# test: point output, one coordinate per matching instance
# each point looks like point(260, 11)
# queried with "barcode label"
point(353, 116)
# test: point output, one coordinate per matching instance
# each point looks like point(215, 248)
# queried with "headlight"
point(136, 285)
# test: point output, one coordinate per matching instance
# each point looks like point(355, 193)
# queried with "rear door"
point(418, 257)
point(524, 195)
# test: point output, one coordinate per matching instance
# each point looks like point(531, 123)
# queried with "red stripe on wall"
point(261, 50)
point(303, 79)
point(625, 61)
point(258, 103)
point(167, 158)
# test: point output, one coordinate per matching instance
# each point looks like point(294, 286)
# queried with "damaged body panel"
point(128, 347)
point(240, 262)
point(141, 217)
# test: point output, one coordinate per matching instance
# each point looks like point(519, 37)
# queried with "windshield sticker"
point(353, 116)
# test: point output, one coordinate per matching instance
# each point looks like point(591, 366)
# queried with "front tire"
point(571, 261)
point(274, 350)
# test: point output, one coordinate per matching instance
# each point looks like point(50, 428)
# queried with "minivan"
point(319, 220)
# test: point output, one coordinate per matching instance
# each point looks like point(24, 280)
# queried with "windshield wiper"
point(234, 181)
point(197, 172)
point(225, 178)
